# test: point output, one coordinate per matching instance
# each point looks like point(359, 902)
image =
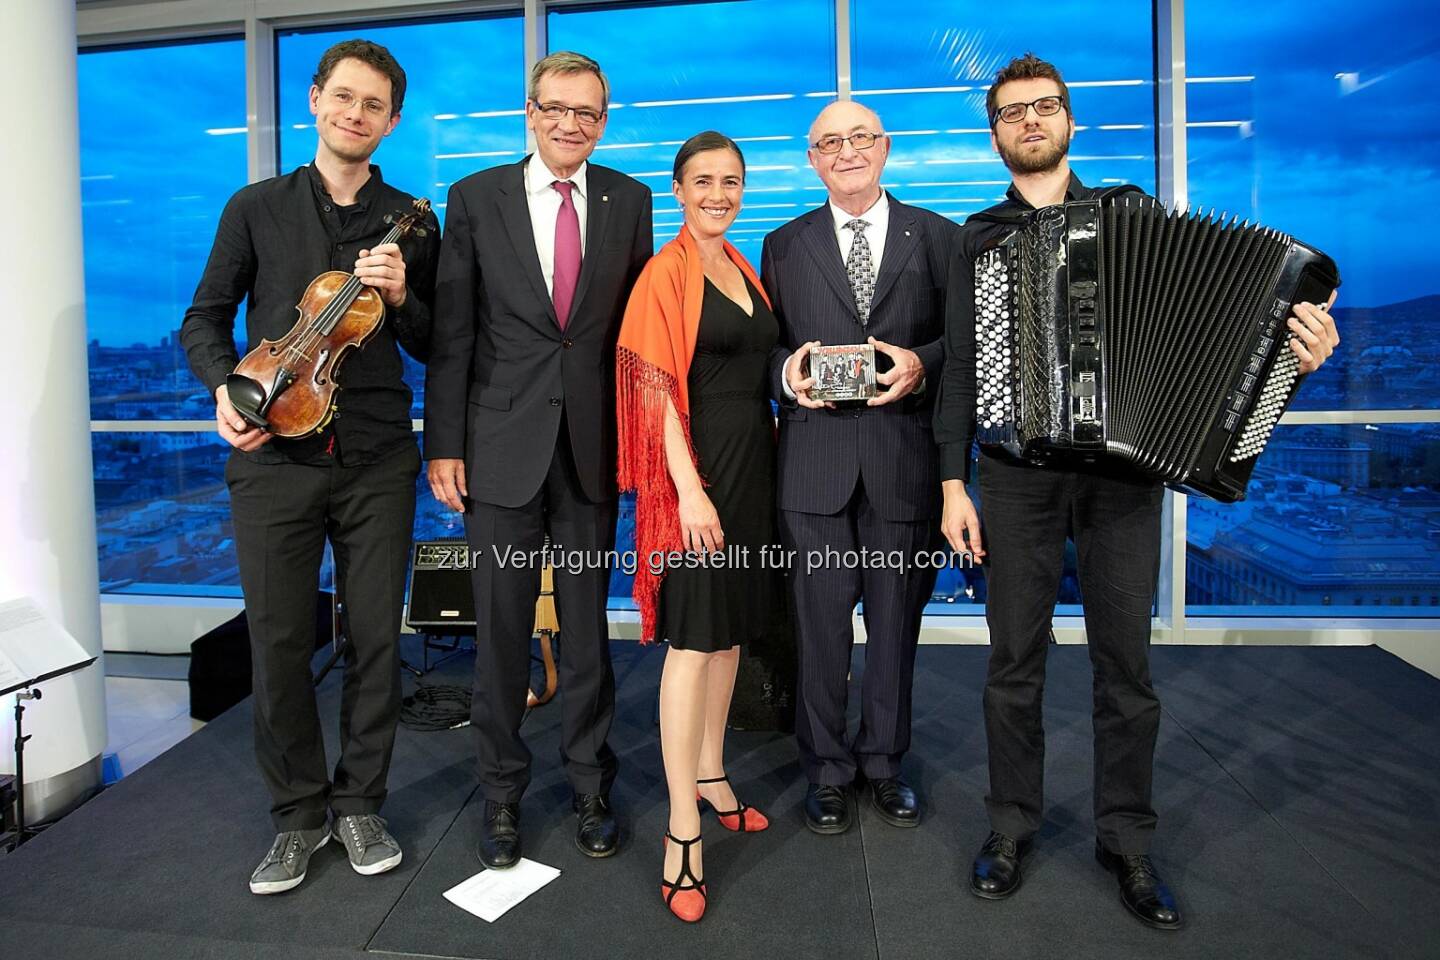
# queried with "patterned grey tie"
point(860, 270)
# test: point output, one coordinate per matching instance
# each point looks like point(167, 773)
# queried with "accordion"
point(1115, 326)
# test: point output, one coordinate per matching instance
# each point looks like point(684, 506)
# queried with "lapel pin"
point(907, 233)
point(604, 198)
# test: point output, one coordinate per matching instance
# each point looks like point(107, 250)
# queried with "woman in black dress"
point(697, 444)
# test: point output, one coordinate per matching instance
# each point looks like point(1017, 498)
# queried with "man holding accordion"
point(1105, 504)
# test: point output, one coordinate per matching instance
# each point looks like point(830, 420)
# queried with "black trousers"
point(1115, 523)
point(825, 598)
point(282, 515)
point(505, 593)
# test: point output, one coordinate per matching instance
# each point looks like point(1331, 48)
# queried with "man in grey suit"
point(536, 265)
point(858, 481)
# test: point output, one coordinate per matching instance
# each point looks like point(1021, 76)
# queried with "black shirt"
point(955, 408)
point(274, 238)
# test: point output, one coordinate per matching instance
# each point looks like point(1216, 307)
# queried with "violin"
point(287, 386)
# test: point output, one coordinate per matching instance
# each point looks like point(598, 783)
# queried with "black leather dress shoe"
point(500, 835)
point(1142, 891)
point(596, 833)
point(996, 871)
point(827, 808)
point(893, 799)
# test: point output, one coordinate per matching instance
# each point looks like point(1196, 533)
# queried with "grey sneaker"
point(371, 848)
point(284, 866)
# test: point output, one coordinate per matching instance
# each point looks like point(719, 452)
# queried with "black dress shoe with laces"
point(1142, 891)
point(996, 871)
point(596, 833)
point(893, 799)
point(827, 809)
point(500, 835)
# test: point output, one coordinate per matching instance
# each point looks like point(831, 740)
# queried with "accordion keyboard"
point(1268, 407)
point(994, 338)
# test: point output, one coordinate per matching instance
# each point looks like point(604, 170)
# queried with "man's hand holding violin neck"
point(384, 269)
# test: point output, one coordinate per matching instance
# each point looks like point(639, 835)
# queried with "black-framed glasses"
point(862, 140)
point(1015, 112)
point(557, 111)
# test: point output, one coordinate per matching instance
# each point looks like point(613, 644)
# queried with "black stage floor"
point(1297, 791)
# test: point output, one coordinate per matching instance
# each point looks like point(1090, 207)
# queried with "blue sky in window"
point(1330, 145)
point(1319, 125)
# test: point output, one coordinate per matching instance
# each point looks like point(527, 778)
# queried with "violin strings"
point(329, 317)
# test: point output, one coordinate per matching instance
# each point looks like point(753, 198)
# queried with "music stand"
point(32, 650)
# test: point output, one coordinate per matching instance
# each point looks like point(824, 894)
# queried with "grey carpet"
point(1309, 774)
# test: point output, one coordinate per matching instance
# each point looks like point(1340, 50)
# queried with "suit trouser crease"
point(505, 593)
point(282, 515)
point(1115, 523)
point(825, 599)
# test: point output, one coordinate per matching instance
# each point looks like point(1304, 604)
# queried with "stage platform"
point(1298, 792)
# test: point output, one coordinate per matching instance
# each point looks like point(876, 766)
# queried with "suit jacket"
point(824, 452)
point(501, 373)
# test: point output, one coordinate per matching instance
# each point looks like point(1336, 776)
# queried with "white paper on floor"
point(490, 893)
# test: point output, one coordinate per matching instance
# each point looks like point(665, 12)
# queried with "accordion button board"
point(1117, 327)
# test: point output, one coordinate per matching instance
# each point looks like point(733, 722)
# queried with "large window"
point(1333, 148)
point(763, 95)
point(461, 113)
point(1334, 525)
point(162, 147)
point(928, 83)
point(162, 514)
point(928, 79)
point(679, 69)
point(1329, 144)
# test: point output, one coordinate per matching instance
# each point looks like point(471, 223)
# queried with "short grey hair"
point(567, 62)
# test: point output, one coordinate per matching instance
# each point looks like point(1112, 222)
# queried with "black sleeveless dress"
point(733, 432)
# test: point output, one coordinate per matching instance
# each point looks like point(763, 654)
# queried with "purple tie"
point(567, 253)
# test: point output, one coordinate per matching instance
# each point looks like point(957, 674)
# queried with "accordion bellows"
point(1115, 326)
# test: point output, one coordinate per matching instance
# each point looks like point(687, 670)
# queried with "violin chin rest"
point(247, 397)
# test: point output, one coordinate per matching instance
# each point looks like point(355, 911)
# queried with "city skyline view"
point(1344, 517)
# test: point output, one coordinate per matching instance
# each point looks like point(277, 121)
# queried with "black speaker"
point(220, 662)
point(441, 601)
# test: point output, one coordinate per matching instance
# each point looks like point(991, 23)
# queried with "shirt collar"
point(1074, 190)
point(879, 213)
point(363, 196)
point(538, 177)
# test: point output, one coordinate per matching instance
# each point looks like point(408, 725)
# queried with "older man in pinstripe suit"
point(858, 482)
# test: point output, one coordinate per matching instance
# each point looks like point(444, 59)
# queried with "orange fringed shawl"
point(657, 342)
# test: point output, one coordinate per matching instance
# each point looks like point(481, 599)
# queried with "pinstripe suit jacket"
point(823, 452)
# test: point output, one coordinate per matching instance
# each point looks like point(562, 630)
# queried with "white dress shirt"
point(544, 202)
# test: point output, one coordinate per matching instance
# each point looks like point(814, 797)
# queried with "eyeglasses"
point(346, 99)
point(557, 111)
point(863, 140)
point(1015, 112)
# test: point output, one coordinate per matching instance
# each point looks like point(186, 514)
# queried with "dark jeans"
point(1114, 521)
point(282, 514)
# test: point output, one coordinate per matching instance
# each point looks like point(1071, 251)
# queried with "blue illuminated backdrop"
point(1310, 124)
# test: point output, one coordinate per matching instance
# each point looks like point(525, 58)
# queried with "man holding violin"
point(353, 481)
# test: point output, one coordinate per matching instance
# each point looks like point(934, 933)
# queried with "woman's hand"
point(700, 524)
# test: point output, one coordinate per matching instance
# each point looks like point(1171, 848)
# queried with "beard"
point(1036, 161)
